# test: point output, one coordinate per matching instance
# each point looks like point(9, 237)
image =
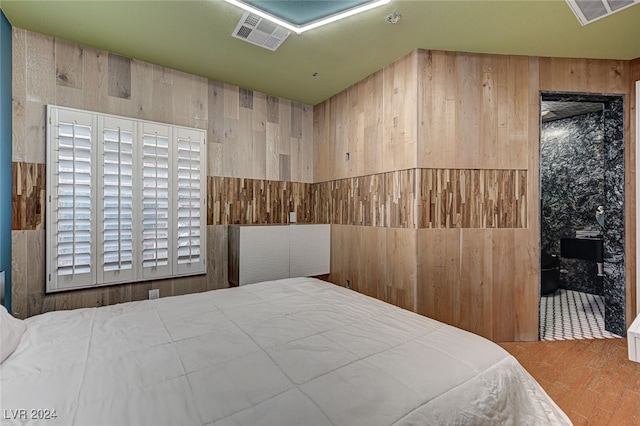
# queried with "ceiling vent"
point(259, 31)
point(588, 11)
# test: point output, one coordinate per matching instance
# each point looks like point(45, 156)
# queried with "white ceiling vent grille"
point(588, 11)
point(259, 31)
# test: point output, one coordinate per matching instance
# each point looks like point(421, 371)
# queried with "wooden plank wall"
point(250, 135)
point(472, 198)
point(28, 196)
point(374, 121)
point(475, 137)
point(379, 262)
point(256, 201)
point(473, 111)
point(477, 251)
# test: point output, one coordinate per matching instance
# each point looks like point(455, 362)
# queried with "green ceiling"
point(302, 12)
point(195, 36)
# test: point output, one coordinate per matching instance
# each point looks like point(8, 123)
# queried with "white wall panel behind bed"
point(268, 252)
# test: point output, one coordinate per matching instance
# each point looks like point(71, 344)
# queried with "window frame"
point(197, 233)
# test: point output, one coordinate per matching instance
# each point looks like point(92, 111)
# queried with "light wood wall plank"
point(143, 91)
point(69, 60)
point(474, 111)
point(95, 80)
point(584, 75)
point(189, 102)
point(19, 264)
point(19, 94)
point(119, 76)
point(379, 262)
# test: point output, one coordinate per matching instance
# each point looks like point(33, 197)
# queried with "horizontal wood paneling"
point(384, 200)
point(28, 196)
point(584, 75)
point(256, 201)
point(472, 198)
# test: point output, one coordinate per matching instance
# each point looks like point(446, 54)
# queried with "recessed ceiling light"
point(299, 29)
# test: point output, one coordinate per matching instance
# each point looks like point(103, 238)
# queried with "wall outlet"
point(154, 294)
point(348, 284)
point(293, 217)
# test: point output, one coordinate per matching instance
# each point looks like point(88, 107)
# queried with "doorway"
point(583, 287)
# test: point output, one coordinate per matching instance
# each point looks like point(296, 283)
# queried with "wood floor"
point(593, 381)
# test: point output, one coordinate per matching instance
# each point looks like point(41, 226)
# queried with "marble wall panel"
point(572, 171)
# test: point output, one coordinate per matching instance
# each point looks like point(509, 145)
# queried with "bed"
point(298, 351)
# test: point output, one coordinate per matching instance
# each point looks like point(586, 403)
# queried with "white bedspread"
point(289, 352)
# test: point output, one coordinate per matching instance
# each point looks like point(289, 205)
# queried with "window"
point(125, 200)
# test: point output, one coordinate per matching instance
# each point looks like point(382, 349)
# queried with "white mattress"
point(290, 352)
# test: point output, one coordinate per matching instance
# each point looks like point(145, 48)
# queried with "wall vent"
point(588, 11)
point(259, 31)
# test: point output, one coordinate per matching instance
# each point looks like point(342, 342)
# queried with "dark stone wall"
point(572, 172)
point(614, 283)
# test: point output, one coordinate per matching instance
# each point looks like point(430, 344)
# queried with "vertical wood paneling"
point(400, 114)
point(399, 287)
point(119, 76)
point(142, 98)
point(69, 59)
point(95, 79)
point(40, 68)
point(246, 98)
point(374, 121)
point(474, 111)
point(374, 261)
point(37, 303)
point(379, 262)
point(189, 100)
point(19, 258)
point(273, 110)
point(18, 94)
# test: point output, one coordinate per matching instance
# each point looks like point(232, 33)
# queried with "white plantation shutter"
point(126, 200)
point(156, 195)
point(190, 227)
point(72, 178)
point(116, 205)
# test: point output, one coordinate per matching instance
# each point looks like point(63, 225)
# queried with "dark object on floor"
point(550, 266)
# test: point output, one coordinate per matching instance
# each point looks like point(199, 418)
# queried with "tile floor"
point(570, 315)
